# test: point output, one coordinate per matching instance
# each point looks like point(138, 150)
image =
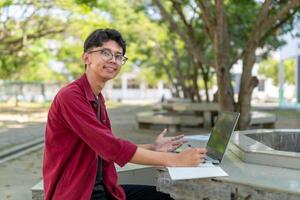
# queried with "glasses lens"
point(124, 59)
point(107, 56)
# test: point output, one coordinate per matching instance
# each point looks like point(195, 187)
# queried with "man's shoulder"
point(71, 89)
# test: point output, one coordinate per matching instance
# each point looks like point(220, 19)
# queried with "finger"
point(177, 137)
point(163, 133)
point(176, 141)
point(201, 162)
point(202, 150)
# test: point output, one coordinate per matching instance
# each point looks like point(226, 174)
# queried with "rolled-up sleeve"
point(81, 119)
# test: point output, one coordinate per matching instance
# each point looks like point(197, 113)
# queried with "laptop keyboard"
point(211, 160)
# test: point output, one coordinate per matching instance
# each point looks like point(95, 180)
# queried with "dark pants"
point(137, 192)
point(144, 192)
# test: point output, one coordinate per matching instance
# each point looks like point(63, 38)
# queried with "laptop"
point(216, 147)
point(220, 136)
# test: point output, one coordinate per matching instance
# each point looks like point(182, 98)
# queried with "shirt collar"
point(87, 88)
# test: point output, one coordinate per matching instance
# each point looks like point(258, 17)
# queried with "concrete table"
point(208, 110)
point(245, 182)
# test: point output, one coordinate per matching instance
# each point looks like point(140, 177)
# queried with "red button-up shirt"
point(74, 139)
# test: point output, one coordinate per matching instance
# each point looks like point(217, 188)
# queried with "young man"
point(80, 148)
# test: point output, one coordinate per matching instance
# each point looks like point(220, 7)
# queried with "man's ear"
point(85, 58)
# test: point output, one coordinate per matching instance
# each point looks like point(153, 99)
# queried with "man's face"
point(104, 61)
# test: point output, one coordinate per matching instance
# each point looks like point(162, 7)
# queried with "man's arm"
point(188, 157)
point(146, 146)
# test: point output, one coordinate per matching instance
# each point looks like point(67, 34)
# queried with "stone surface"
point(216, 189)
point(274, 147)
point(281, 141)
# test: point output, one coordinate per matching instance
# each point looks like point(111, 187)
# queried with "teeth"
point(110, 69)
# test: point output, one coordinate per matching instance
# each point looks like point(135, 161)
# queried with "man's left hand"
point(167, 144)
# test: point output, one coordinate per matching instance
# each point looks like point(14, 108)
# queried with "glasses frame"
point(113, 56)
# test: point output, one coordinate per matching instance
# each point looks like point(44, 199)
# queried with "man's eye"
point(119, 57)
point(106, 53)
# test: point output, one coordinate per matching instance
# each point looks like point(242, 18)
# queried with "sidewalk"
point(18, 175)
point(17, 134)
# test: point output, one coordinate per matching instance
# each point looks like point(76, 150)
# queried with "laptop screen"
point(220, 135)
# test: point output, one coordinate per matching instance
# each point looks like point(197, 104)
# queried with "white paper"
point(206, 170)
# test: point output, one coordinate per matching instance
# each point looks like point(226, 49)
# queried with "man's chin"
point(109, 77)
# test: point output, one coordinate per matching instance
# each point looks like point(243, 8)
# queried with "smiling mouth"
point(110, 69)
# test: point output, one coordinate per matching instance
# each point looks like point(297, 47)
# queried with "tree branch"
point(34, 36)
point(281, 15)
point(197, 53)
point(208, 19)
point(255, 34)
point(178, 9)
point(263, 14)
point(276, 27)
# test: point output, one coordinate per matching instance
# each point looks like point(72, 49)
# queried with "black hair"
point(97, 37)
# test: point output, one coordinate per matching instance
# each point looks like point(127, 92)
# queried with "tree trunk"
point(222, 60)
point(181, 78)
point(247, 84)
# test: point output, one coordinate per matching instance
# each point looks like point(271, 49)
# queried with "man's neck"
point(96, 84)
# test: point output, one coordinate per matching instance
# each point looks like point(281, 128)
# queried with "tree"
point(43, 31)
point(20, 30)
point(235, 29)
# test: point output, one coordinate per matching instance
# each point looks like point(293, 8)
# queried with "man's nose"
point(113, 59)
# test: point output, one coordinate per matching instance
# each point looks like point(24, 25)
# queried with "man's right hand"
point(190, 157)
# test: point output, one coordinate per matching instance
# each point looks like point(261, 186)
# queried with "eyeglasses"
point(107, 55)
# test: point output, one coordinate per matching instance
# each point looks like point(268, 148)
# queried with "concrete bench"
point(129, 174)
point(172, 121)
point(207, 111)
point(168, 104)
point(262, 120)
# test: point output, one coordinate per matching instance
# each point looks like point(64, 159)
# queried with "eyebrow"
point(120, 53)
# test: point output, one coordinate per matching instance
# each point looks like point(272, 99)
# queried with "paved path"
point(20, 133)
point(19, 175)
